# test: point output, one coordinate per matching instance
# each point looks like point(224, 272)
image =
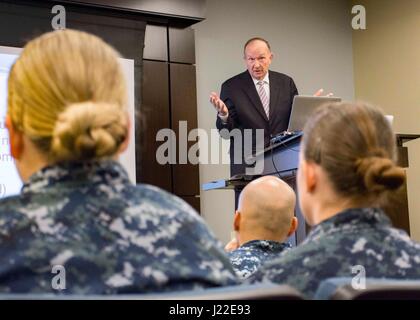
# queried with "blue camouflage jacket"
point(339, 246)
point(249, 256)
point(108, 235)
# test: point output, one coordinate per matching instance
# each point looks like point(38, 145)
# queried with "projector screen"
point(10, 183)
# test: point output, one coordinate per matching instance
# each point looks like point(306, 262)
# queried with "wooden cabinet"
point(165, 88)
point(169, 101)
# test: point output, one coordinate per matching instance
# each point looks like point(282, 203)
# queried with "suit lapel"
point(251, 92)
point(274, 94)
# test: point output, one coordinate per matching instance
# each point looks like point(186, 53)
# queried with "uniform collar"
point(351, 219)
point(266, 244)
point(107, 171)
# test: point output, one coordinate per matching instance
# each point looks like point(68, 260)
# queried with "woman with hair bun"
point(68, 122)
point(346, 171)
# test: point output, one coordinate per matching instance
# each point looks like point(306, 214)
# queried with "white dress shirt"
point(266, 87)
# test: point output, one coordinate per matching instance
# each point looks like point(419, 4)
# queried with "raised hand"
point(218, 104)
point(320, 92)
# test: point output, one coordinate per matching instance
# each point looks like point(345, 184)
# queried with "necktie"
point(264, 99)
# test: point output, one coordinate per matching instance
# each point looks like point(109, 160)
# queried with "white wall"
point(386, 60)
point(311, 41)
point(386, 66)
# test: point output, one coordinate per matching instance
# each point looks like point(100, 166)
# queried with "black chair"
point(376, 289)
point(239, 292)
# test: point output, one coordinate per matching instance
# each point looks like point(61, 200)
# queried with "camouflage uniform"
point(355, 237)
point(249, 256)
point(110, 235)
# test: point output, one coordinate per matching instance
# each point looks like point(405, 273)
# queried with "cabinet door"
point(156, 43)
point(181, 45)
point(153, 116)
point(184, 108)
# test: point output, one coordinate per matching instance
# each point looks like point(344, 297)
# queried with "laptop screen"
point(302, 108)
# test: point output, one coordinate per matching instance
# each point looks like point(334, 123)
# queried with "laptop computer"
point(302, 108)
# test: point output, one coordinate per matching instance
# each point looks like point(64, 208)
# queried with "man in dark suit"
point(255, 99)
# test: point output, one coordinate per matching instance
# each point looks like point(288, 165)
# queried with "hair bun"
point(379, 173)
point(88, 130)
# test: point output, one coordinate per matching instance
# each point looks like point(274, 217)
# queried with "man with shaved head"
point(263, 221)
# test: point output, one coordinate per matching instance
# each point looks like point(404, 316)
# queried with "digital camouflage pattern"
point(110, 235)
point(355, 237)
point(252, 254)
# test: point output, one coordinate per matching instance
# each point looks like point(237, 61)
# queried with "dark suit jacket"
point(246, 110)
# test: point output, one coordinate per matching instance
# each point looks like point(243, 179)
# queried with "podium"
point(282, 160)
point(279, 159)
